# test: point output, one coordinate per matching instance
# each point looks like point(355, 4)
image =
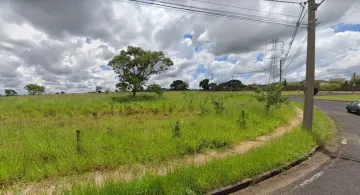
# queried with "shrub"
point(219, 104)
point(156, 89)
point(271, 95)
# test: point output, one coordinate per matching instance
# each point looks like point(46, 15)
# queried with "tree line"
point(347, 85)
point(32, 89)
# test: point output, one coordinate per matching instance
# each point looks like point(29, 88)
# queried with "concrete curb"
point(248, 182)
point(332, 100)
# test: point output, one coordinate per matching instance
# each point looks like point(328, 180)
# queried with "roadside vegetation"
point(218, 173)
point(38, 133)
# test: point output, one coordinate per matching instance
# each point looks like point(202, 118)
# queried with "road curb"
point(267, 175)
point(332, 100)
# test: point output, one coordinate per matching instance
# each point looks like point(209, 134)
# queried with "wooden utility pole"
point(310, 68)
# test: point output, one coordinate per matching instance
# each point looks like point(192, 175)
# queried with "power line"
point(297, 53)
point(233, 6)
point(295, 32)
point(292, 2)
point(162, 3)
point(216, 13)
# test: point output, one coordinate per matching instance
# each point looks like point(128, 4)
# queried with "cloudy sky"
point(66, 45)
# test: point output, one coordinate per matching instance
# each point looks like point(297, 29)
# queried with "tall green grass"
point(38, 140)
point(217, 173)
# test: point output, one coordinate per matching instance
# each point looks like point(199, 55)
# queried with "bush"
point(156, 89)
point(271, 95)
point(219, 104)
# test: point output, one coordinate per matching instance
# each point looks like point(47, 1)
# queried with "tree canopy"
point(35, 89)
point(212, 86)
point(271, 95)
point(205, 84)
point(10, 92)
point(135, 66)
point(156, 89)
point(232, 85)
point(98, 89)
point(179, 85)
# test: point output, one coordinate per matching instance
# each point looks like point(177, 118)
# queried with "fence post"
point(78, 149)
point(243, 118)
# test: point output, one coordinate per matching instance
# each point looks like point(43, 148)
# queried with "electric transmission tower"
point(277, 49)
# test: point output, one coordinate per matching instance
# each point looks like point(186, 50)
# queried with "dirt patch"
point(127, 173)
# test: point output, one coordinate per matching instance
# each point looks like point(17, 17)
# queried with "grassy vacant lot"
point(348, 98)
point(218, 173)
point(38, 139)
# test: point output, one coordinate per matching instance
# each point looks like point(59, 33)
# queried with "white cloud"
point(44, 42)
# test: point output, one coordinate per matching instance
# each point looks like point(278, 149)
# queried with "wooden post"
point(243, 118)
point(78, 141)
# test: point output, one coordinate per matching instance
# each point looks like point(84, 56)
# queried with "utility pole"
point(281, 65)
point(353, 85)
point(310, 67)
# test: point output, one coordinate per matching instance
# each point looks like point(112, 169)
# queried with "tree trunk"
point(267, 108)
point(134, 91)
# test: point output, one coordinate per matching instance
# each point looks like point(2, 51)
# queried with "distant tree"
point(183, 86)
point(179, 85)
point(174, 85)
point(107, 91)
point(205, 84)
point(233, 85)
point(271, 95)
point(116, 91)
point(10, 92)
point(35, 89)
point(62, 92)
point(212, 86)
point(136, 65)
point(156, 89)
point(98, 89)
point(285, 83)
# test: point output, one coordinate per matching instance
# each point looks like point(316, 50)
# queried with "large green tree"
point(205, 84)
point(135, 65)
point(35, 89)
point(98, 89)
point(10, 92)
point(213, 86)
point(179, 85)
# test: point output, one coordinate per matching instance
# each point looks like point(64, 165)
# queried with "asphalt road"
point(342, 176)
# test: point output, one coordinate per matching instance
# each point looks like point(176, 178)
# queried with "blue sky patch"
point(246, 76)
point(190, 36)
point(200, 70)
point(105, 68)
point(226, 59)
point(222, 58)
point(88, 40)
point(198, 48)
point(346, 27)
point(260, 57)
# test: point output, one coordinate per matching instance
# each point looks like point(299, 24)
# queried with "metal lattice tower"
point(274, 65)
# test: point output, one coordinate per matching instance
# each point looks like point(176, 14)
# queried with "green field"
point(38, 139)
point(218, 173)
point(346, 98)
